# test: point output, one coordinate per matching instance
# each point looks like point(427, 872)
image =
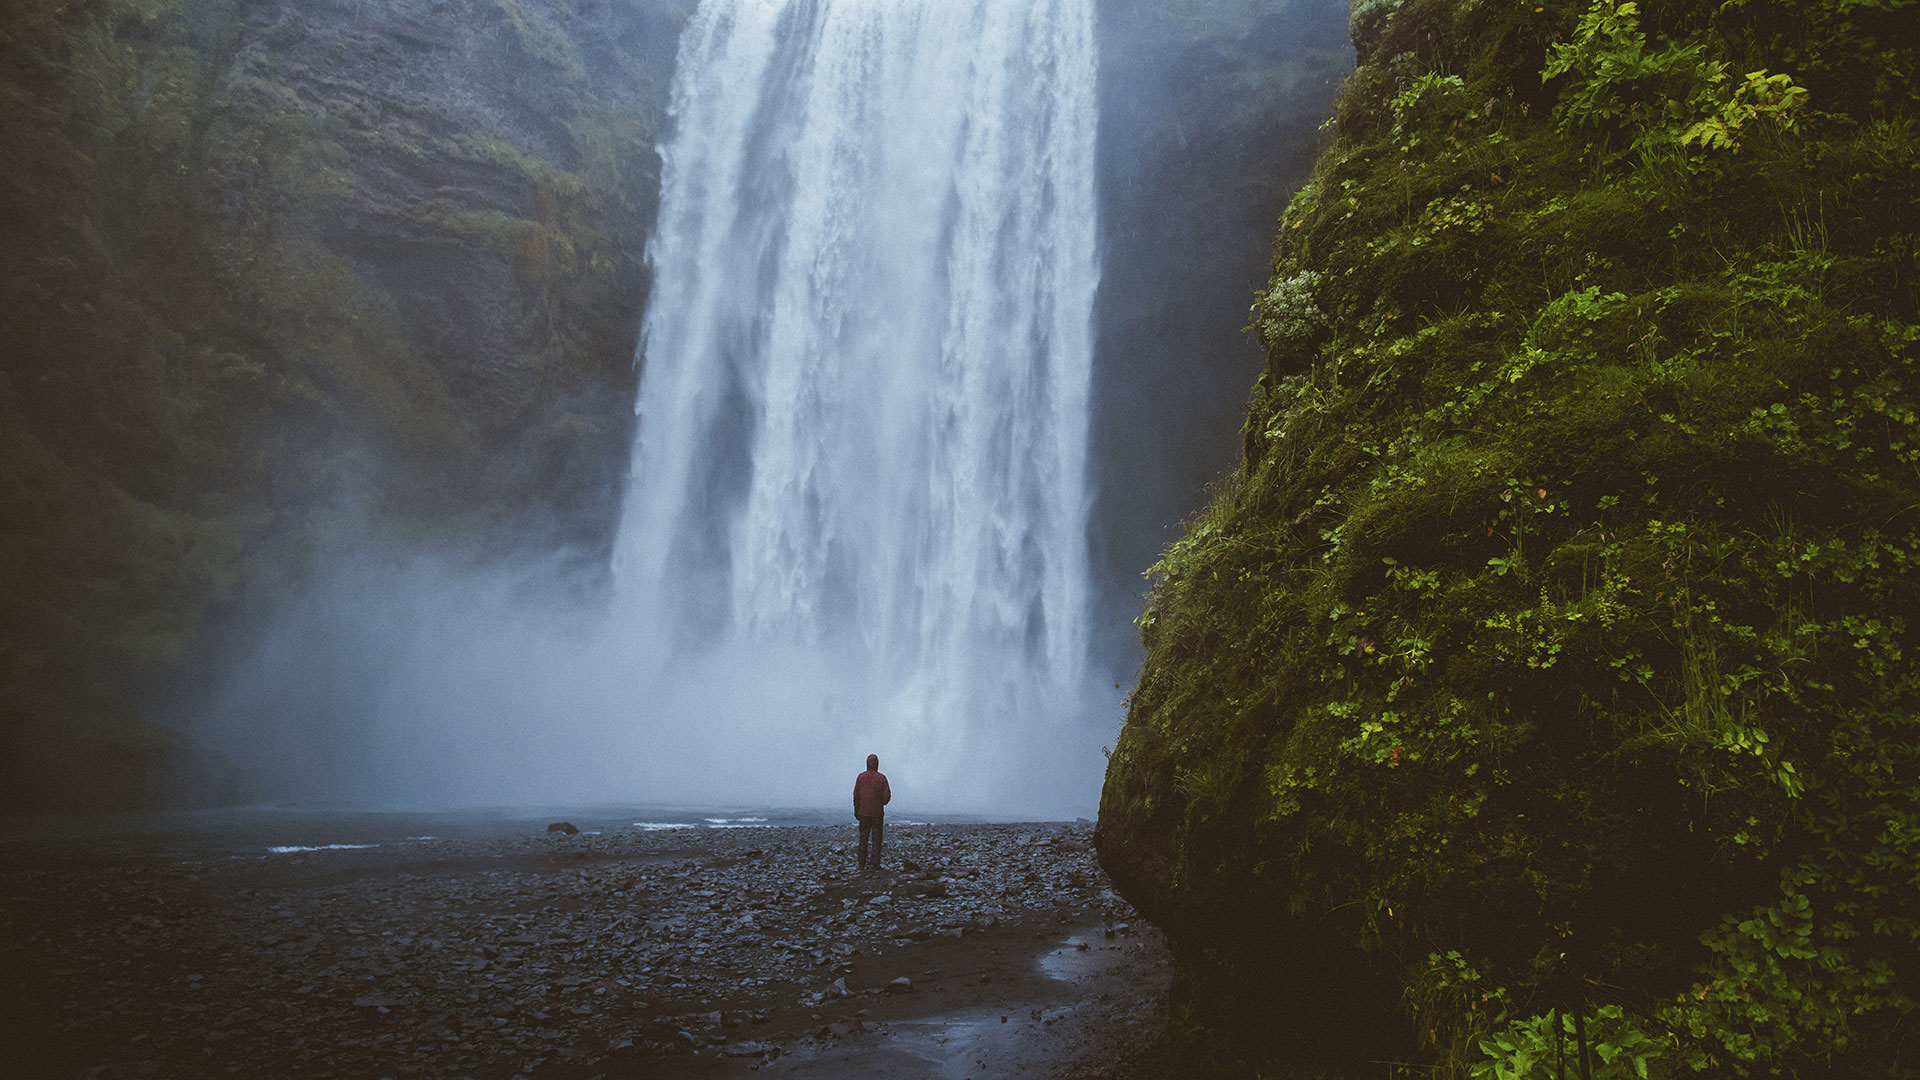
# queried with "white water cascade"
point(857, 518)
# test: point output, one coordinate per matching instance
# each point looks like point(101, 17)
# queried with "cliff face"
point(284, 277)
point(1547, 659)
point(284, 280)
point(1209, 118)
point(485, 171)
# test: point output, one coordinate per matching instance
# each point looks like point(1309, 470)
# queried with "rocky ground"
point(983, 950)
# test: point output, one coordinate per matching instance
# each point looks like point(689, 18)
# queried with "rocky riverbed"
point(983, 950)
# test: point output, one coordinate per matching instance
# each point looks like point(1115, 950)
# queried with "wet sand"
point(981, 951)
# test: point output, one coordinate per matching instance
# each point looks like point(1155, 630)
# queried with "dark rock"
point(566, 827)
point(435, 328)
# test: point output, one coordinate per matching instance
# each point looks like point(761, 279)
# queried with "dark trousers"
point(871, 829)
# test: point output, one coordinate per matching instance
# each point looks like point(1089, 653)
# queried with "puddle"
point(956, 1046)
point(1084, 955)
point(969, 1044)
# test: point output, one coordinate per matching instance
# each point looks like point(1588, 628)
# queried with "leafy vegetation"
point(1542, 680)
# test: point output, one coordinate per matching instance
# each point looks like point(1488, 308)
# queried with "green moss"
point(1558, 609)
point(215, 355)
point(537, 36)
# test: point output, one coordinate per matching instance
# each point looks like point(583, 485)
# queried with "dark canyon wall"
point(1544, 676)
point(281, 278)
point(1209, 120)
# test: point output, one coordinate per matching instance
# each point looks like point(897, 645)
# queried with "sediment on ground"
point(630, 953)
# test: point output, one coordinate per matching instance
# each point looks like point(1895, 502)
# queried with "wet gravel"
point(626, 953)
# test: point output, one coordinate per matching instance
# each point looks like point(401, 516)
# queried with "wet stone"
point(492, 956)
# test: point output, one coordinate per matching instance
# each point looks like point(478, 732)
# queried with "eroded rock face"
point(284, 280)
point(486, 172)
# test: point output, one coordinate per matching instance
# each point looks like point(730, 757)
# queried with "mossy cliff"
point(281, 278)
point(1208, 118)
point(1550, 657)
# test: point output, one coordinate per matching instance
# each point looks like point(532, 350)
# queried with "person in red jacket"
point(870, 798)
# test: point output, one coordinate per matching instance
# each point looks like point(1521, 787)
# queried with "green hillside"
point(1550, 656)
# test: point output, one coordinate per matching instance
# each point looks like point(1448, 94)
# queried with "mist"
point(402, 681)
point(855, 518)
point(802, 563)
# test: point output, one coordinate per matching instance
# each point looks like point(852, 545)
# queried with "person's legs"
point(879, 830)
point(867, 836)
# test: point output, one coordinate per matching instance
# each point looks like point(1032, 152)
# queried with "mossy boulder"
point(1548, 659)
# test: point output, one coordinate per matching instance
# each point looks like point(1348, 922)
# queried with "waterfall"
point(857, 514)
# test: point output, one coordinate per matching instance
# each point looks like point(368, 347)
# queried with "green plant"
point(1758, 96)
point(1426, 99)
point(1560, 606)
point(1369, 19)
point(538, 37)
point(1287, 315)
point(1663, 101)
point(1539, 1047)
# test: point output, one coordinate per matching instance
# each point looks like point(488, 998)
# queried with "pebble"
point(453, 957)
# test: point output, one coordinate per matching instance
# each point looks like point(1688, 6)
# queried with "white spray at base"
point(857, 519)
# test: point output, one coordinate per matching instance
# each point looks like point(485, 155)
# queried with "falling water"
point(857, 518)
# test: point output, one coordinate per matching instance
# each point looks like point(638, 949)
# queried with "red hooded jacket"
point(870, 792)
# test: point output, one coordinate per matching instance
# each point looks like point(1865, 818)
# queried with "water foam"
point(857, 517)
